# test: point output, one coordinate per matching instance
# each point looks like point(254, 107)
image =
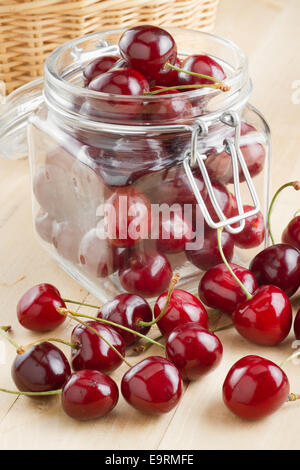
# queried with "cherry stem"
point(70, 314)
point(214, 313)
point(293, 397)
point(201, 75)
point(69, 301)
point(173, 282)
point(32, 394)
point(296, 213)
point(296, 186)
point(5, 328)
point(217, 86)
point(50, 340)
point(3, 331)
point(246, 292)
point(289, 358)
point(221, 328)
point(141, 348)
point(108, 322)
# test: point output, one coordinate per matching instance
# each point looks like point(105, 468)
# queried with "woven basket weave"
point(30, 30)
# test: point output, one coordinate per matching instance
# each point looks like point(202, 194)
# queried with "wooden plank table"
point(268, 31)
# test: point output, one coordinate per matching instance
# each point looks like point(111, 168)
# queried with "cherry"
point(153, 385)
point(44, 225)
point(127, 310)
point(146, 274)
point(97, 67)
point(208, 255)
point(193, 350)
point(123, 81)
point(41, 368)
point(255, 387)
point(266, 318)
point(94, 352)
point(278, 265)
point(36, 308)
point(297, 325)
point(182, 308)
point(291, 234)
point(253, 233)
point(169, 109)
point(168, 77)
point(128, 216)
point(224, 199)
point(219, 290)
point(66, 238)
point(89, 394)
point(148, 49)
point(174, 232)
point(201, 64)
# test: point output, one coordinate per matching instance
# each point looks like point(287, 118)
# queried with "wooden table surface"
point(269, 33)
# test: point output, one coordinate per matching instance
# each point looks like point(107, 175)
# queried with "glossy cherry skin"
point(278, 265)
point(253, 233)
point(146, 274)
point(128, 216)
point(208, 255)
point(167, 110)
point(120, 82)
point(168, 77)
point(153, 385)
point(36, 308)
point(183, 308)
point(41, 368)
point(200, 64)
point(93, 352)
point(266, 318)
point(291, 234)
point(147, 49)
point(175, 231)
point(297, 325)
point(127, 310)
point(218, 289)
point(194, 350)
point(255, 387)
point(89, 394)
point(97, 67)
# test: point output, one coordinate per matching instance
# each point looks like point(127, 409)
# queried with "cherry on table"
point(97, 67)
point(297, 325)
point(291, 234)
point(278, 265)
point(41, 368)
point(183, 307)
point(255, 387)
point(194, 350)
point(127, 310)
point(219, 290)
point(89, 394)
point(152, 386)
point(36, 309)
point(93, 352)
point(148, 49)
point(146, 273)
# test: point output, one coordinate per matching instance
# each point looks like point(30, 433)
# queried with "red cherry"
point(224, 200)
point(194, 350)
point(175, 231)
point(167, 110)
point(168, 77)
point(41, 368)
point(66, 238)
point(36, 308)
point(278, 265)
point(94, 353)
point(253, 233)
point(146, 274)
point(266, 318)
point(128, 216)
point(153, 385)
point(255, 387)
point(297, 325)
point(127, 310)
point(218, 289)
point(89, 394)
point(97, 67)
point(147, 49)
point(202, 64)
point(183, 308)
point(208, 255)
point(291, 234)
point(120, 82)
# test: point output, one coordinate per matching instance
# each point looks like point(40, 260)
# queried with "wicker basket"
point(30, 30)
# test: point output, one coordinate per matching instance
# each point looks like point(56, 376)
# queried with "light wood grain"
point(268, 31)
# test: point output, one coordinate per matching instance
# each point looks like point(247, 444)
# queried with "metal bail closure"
point(232, 147)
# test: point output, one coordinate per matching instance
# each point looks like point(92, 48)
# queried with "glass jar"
point(103, 165)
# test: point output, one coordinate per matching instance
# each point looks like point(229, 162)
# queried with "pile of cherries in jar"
point(90, 168)
point(256, 299)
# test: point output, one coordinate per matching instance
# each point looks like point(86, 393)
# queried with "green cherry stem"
point(69, 301)
point(108, 322)
point(290, 358)
point(173, 282)
point(73, 315)
point(217, 86)
point(195, 74)
point(221, 328)
point(51, 340)
point(32, 394)
point(296, 186)
point(11, 341)
point(141, 348)
point(246, 292)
